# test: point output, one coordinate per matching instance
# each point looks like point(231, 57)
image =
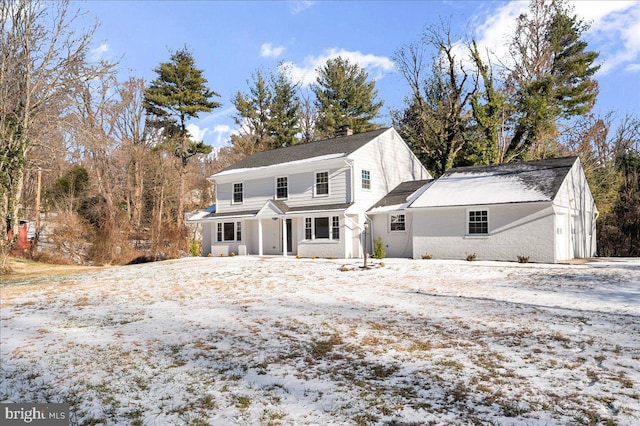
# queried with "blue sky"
point(230, 40)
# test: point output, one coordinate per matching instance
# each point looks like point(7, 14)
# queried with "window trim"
point(315, 184)
point(364, 179)
point(237, 231)
point(310, 228)
point(275, 183)
point(468, 222)
point(233, 193)
point(404, 222)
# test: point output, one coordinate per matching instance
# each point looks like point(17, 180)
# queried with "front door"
point(289, 237)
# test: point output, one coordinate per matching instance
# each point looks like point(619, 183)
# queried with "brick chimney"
point(344, 130)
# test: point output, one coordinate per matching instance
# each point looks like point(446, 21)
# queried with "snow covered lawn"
point(298, 341)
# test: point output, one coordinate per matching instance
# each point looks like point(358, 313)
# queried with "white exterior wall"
point(390, 162)
point(576, 227)
point(525, 229)
point(260, 189)
point(323, 247)
point(396, 243)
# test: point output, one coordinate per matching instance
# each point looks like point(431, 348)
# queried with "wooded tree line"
point(121, 169)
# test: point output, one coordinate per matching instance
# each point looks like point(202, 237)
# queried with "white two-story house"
point(309, 199)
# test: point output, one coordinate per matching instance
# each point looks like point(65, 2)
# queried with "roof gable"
point(341, 146)
point(528, 181)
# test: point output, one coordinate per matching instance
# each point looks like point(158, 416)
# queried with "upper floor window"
point(238, 193)
point(282, 188)
point(397, 222)
point(322, 183)
point(366, 179)
point(478, 222)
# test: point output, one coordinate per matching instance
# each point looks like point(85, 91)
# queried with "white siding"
point(390, 162)
point(301, 190)
point(574, 198)
point(514, 230)
point(396, 243)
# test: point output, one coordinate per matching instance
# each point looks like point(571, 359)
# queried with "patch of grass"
point(452, 364)
point(322, 347)
point(242, 402)
point(366, 419)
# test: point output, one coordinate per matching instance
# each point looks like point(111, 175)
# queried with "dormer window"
point(322, 183)
point(282, 188)
point(238, 193)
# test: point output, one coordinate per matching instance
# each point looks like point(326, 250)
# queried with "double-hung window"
point(397, 222)
point(308, 230)
point(478, 223)
point(282, 188)
point(335, 228)
point(229, 231)
point(238, 193)
point(366, 179)
point(322, 183)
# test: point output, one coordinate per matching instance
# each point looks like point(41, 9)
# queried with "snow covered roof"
point(398, 196)
point(344, 146)
point(497, 184)
point(281, 205)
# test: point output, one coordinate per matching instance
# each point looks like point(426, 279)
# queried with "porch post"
point(260, 237)
point(284, 237)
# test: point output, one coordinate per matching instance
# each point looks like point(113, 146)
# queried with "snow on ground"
point(299, 341)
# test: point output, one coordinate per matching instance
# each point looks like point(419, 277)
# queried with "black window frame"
point(478, 222)
point(398, 225)
point(238, 196)
point(322, 184)
point(280, 190)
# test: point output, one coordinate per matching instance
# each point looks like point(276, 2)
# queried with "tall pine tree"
point(344, 96)
point(179, 93)
point(552, 77)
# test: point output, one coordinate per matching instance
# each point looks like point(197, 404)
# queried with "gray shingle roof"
point(344, 144)
point(400, 193)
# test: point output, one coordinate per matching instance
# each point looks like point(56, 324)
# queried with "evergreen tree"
point(344, 96)
point(552, 77)
point(253, 116)
point(268, 115)
point(285, 109)
point(178, 93)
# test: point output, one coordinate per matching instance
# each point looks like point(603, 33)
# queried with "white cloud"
point(614, 30)
point(494, 33)
point(98, 53)
point(376, 66)
point(298, 6)
point(267, 50)
point(196, 132)
point(633, 68)
point(220, 135)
